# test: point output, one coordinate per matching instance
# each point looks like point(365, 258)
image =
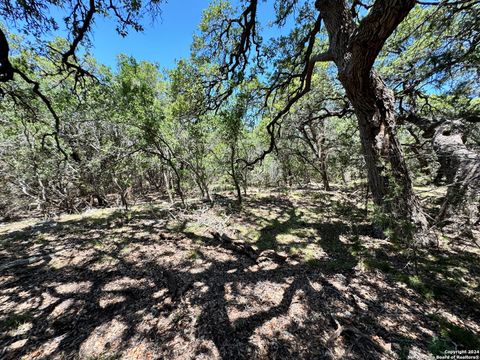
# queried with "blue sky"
point(166, 40)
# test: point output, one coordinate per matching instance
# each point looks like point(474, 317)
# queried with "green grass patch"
point(375, 264)
point(314, 262)
point(16, 320)
point(451, 337)
point(357, 248)
point(195, 254)
point(416, 283)
point(98, 244)
point(438, 345)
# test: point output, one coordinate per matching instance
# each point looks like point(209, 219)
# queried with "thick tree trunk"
point(353, 48)
point(459, 165)
point(388, 176)
point(462, 173)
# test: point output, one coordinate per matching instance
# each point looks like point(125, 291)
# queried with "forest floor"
point(292, 275)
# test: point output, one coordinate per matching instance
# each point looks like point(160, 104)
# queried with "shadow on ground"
point(148, 284)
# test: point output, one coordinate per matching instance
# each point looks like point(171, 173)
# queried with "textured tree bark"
point(388, 176)
point(354, 49)
point(462, 173)
point(458, 164)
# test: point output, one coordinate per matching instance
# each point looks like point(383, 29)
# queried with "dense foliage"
point(241, 111)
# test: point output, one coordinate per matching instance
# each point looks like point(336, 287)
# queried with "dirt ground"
point(295, 275)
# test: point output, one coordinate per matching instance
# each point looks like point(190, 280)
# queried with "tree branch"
point(322, 57)
point(6, 68)
point(298, 93)
point(48, 104)
point(375, 28)
point(80, 32)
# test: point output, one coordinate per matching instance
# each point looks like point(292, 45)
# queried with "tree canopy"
point(384, 63)
point(303, 183)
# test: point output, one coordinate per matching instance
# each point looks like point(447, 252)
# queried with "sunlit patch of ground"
point(155, 282)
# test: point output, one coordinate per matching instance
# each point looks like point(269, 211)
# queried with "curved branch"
point(6, 68)
point(375, 28)
point(80, 32)
point(300, 91)
point(48, 104)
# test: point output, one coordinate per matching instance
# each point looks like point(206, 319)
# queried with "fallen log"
point(236, 246)
point(21, 262)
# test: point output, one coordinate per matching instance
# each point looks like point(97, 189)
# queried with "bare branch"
point(48, 104)
point(322, 57)
point(80, 32)
point(6, 69)
point(303, 88)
